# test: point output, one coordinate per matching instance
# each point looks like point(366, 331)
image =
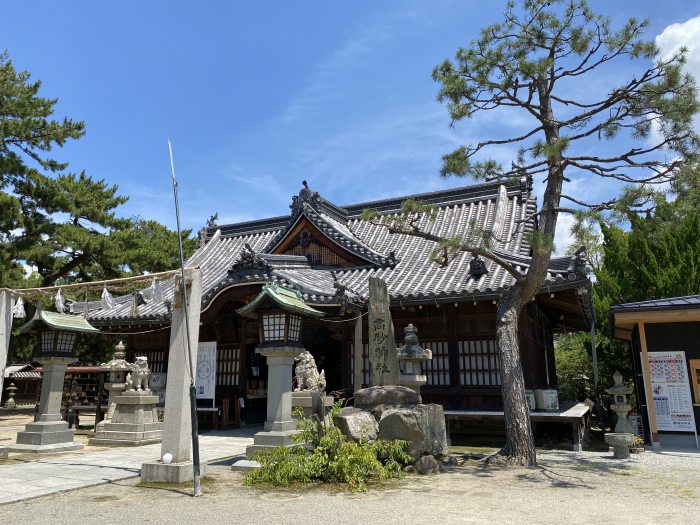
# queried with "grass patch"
point(206, 481)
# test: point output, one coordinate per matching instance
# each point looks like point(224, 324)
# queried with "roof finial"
point(306, 184)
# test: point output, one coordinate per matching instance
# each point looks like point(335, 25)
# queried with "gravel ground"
point(564, 488)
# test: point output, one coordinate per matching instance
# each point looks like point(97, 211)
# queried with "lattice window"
point(319, 255)
point(273, 327)
point(479, 363)
point(365, 364)
point(156, 359)
point(437, 370)
point(47, 342)
point(228, 364)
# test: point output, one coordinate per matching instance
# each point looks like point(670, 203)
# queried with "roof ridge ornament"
point(248, 260)
point(306, 196)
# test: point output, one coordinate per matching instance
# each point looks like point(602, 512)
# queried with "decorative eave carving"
point(579, 262)
point(249, 262)
point(317, 211)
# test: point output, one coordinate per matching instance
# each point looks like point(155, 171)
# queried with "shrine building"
point(328, 253)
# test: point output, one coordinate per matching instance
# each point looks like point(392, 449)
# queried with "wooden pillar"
point(649, 394)
point(452, 348)
point(357, 356)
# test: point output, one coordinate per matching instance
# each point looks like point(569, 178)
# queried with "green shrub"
point(328, 456)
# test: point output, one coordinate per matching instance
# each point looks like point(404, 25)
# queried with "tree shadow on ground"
point(557, 471)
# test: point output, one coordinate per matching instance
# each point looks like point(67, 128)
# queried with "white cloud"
point(670, 41)
point(322, 83)
point(562, 237)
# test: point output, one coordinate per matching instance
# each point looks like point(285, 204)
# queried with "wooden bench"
point(575, 414)
point(87, 413)
point(213, 413)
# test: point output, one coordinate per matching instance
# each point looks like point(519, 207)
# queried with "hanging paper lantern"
point(60, 302)
point(107, 300)
point(18, 309)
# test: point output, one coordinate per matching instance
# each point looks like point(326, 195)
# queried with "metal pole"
point(193, 392)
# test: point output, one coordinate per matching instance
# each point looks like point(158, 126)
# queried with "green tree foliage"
point(326, 455)
point(657, 256)
point(63, 224)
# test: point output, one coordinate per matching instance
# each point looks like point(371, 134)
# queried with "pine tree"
point(524, 65)
point(63, 224)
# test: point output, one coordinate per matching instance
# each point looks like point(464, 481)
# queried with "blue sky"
point(258, 96)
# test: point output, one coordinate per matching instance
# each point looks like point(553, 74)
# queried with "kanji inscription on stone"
point(383, 358)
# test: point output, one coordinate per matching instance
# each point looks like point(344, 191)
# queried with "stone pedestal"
point(134, 421)
point(49, 434)
point(279, 426)
point(312, 402)
point(114, 389)
point(620, 442)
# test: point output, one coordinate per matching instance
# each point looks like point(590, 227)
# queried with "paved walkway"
point(40, 475)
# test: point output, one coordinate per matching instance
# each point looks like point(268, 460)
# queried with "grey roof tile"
point(411, 276)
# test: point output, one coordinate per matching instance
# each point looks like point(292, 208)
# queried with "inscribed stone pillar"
point(5, 331)
point(383, 358)
point(177, 434)
point(359, 364)
point(177, 423)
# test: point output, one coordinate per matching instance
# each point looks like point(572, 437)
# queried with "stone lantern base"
point(279, 426)
point(49, 434)
point(135, 421)
point(45, 437)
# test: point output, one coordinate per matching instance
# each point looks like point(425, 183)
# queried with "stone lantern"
point(280, 313)
point(117, 369)
point(57, 338)
point(411, 355)
point(10, 403)
point(623, 436)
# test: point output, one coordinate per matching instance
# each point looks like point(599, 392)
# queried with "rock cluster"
point(394, 412)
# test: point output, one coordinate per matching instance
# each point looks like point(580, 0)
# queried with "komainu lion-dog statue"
point(308, 376)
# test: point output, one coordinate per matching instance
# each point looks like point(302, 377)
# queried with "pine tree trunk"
point(519, 448)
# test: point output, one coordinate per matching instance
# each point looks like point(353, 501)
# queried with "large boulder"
point(422, 425)
point(391, 395)
point(356, 424)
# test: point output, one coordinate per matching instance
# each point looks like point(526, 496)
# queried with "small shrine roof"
point(286, 299)
point(59, 321)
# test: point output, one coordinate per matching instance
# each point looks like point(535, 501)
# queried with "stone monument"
point(310, 393)
point(134, 419)
point(411, 357)
point(623, 436)
point(383, 360)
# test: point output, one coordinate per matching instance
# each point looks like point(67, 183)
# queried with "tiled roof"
point(239, 254)
point(673, 303)
point(59, 321)
point(15, 369)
